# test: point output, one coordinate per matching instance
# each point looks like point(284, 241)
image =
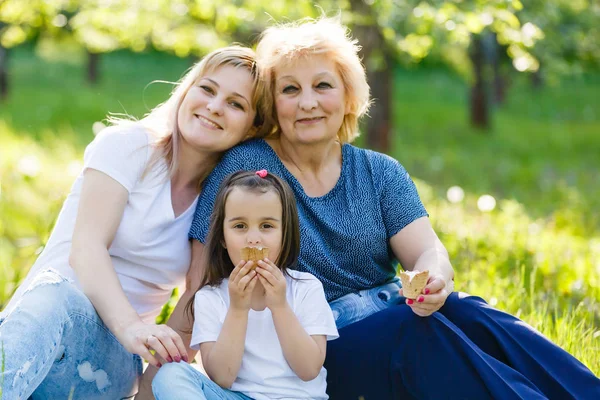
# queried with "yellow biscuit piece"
point(413, 283)
point(254, 253)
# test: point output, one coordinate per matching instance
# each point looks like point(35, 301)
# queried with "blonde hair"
point(283, 44)
point(162, 121)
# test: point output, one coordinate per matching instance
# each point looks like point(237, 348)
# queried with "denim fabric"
point(181, 381)
point(354, 307)
point(56, 347)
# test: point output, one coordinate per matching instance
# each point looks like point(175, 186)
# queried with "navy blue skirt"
point(467, 350)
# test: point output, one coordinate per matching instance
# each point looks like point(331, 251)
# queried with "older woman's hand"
point(433, 298)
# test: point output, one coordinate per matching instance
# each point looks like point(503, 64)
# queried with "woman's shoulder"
point(131, 131)
point(373, 158)
point(122, 138)
point(249, 148)
point(252, 154)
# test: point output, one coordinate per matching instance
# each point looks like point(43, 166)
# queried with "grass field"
point(536, 254)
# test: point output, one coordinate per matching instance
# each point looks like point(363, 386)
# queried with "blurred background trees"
point(486, 41)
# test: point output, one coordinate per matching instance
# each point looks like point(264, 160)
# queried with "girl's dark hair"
point(217, 261)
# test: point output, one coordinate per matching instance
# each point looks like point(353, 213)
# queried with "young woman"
point(261, 327)
point(360, 213)
point(84, 316)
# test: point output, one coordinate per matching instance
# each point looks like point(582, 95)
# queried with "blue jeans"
point(355, 307)
point(55, 346)
point(180, 381)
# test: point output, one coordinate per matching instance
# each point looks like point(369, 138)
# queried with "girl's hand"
point(241, 284)
point(433, 298)
point(141, 338)
point(274, 283)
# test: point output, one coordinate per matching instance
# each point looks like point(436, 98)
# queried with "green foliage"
point(535, 255)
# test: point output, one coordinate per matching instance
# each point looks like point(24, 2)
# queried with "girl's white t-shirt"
point(150, 251)
point(265, 373)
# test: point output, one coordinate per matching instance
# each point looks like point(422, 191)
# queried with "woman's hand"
point(140, 338)
point(274, 283)
point(433, 298)
point(241, 284)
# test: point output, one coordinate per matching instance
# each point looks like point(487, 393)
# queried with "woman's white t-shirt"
point(265, 373)
point(150, 251)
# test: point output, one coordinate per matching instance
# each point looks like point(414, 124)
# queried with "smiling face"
point(252, 219)
point(309, 99)
point(217, 111)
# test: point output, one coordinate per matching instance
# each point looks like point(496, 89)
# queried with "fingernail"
point(409, 301)
point(185, 358)
point(427, 290)
point(177, 358)
point(169, 359)
point(421, 299)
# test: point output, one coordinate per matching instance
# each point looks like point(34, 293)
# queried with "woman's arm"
point(304, 353)
point(418, 248)
point(180, 320)
point(101, 206)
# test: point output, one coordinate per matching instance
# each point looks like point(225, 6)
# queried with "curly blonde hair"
point(283, 44)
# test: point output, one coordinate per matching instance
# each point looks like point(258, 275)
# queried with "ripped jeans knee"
point(56, 346)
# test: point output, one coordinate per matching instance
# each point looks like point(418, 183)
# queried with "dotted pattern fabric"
point(345, 233)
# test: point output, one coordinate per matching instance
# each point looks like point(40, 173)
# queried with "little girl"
point(261, 327)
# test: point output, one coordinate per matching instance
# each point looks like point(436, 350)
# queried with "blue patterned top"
point(344, 235)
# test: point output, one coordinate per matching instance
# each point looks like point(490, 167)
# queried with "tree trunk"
point(3, 73)
point(92, 72)
point(493, 58)
point(378, 123)
point(379, 76)
point(479, 103)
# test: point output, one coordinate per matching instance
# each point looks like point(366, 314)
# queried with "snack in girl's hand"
point(254, 253)
point(413, 282)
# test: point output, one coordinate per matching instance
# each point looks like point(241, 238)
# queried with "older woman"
point(359, 212)
point(77, 326)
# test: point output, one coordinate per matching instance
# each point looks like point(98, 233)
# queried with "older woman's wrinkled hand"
point(433, 296)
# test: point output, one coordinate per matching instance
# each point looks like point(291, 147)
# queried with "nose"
point(253, 237)
point(215, 106)
point(308, 101)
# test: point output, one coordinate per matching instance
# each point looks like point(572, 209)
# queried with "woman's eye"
point(207, 89)
point(289, 89)
point(324, 85)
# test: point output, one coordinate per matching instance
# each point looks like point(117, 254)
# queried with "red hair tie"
point(262, 173)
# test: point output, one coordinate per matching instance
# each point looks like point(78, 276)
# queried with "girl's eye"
point(267, 226)
point(289, 89)
point(207, 89)
point(324, 85)
point(238, 226)
point(237, 105)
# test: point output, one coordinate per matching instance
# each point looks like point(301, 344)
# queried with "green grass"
point(535, 255)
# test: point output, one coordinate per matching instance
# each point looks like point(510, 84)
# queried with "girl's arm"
point(304, 353)
point(222, 359)
point(101, 206)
